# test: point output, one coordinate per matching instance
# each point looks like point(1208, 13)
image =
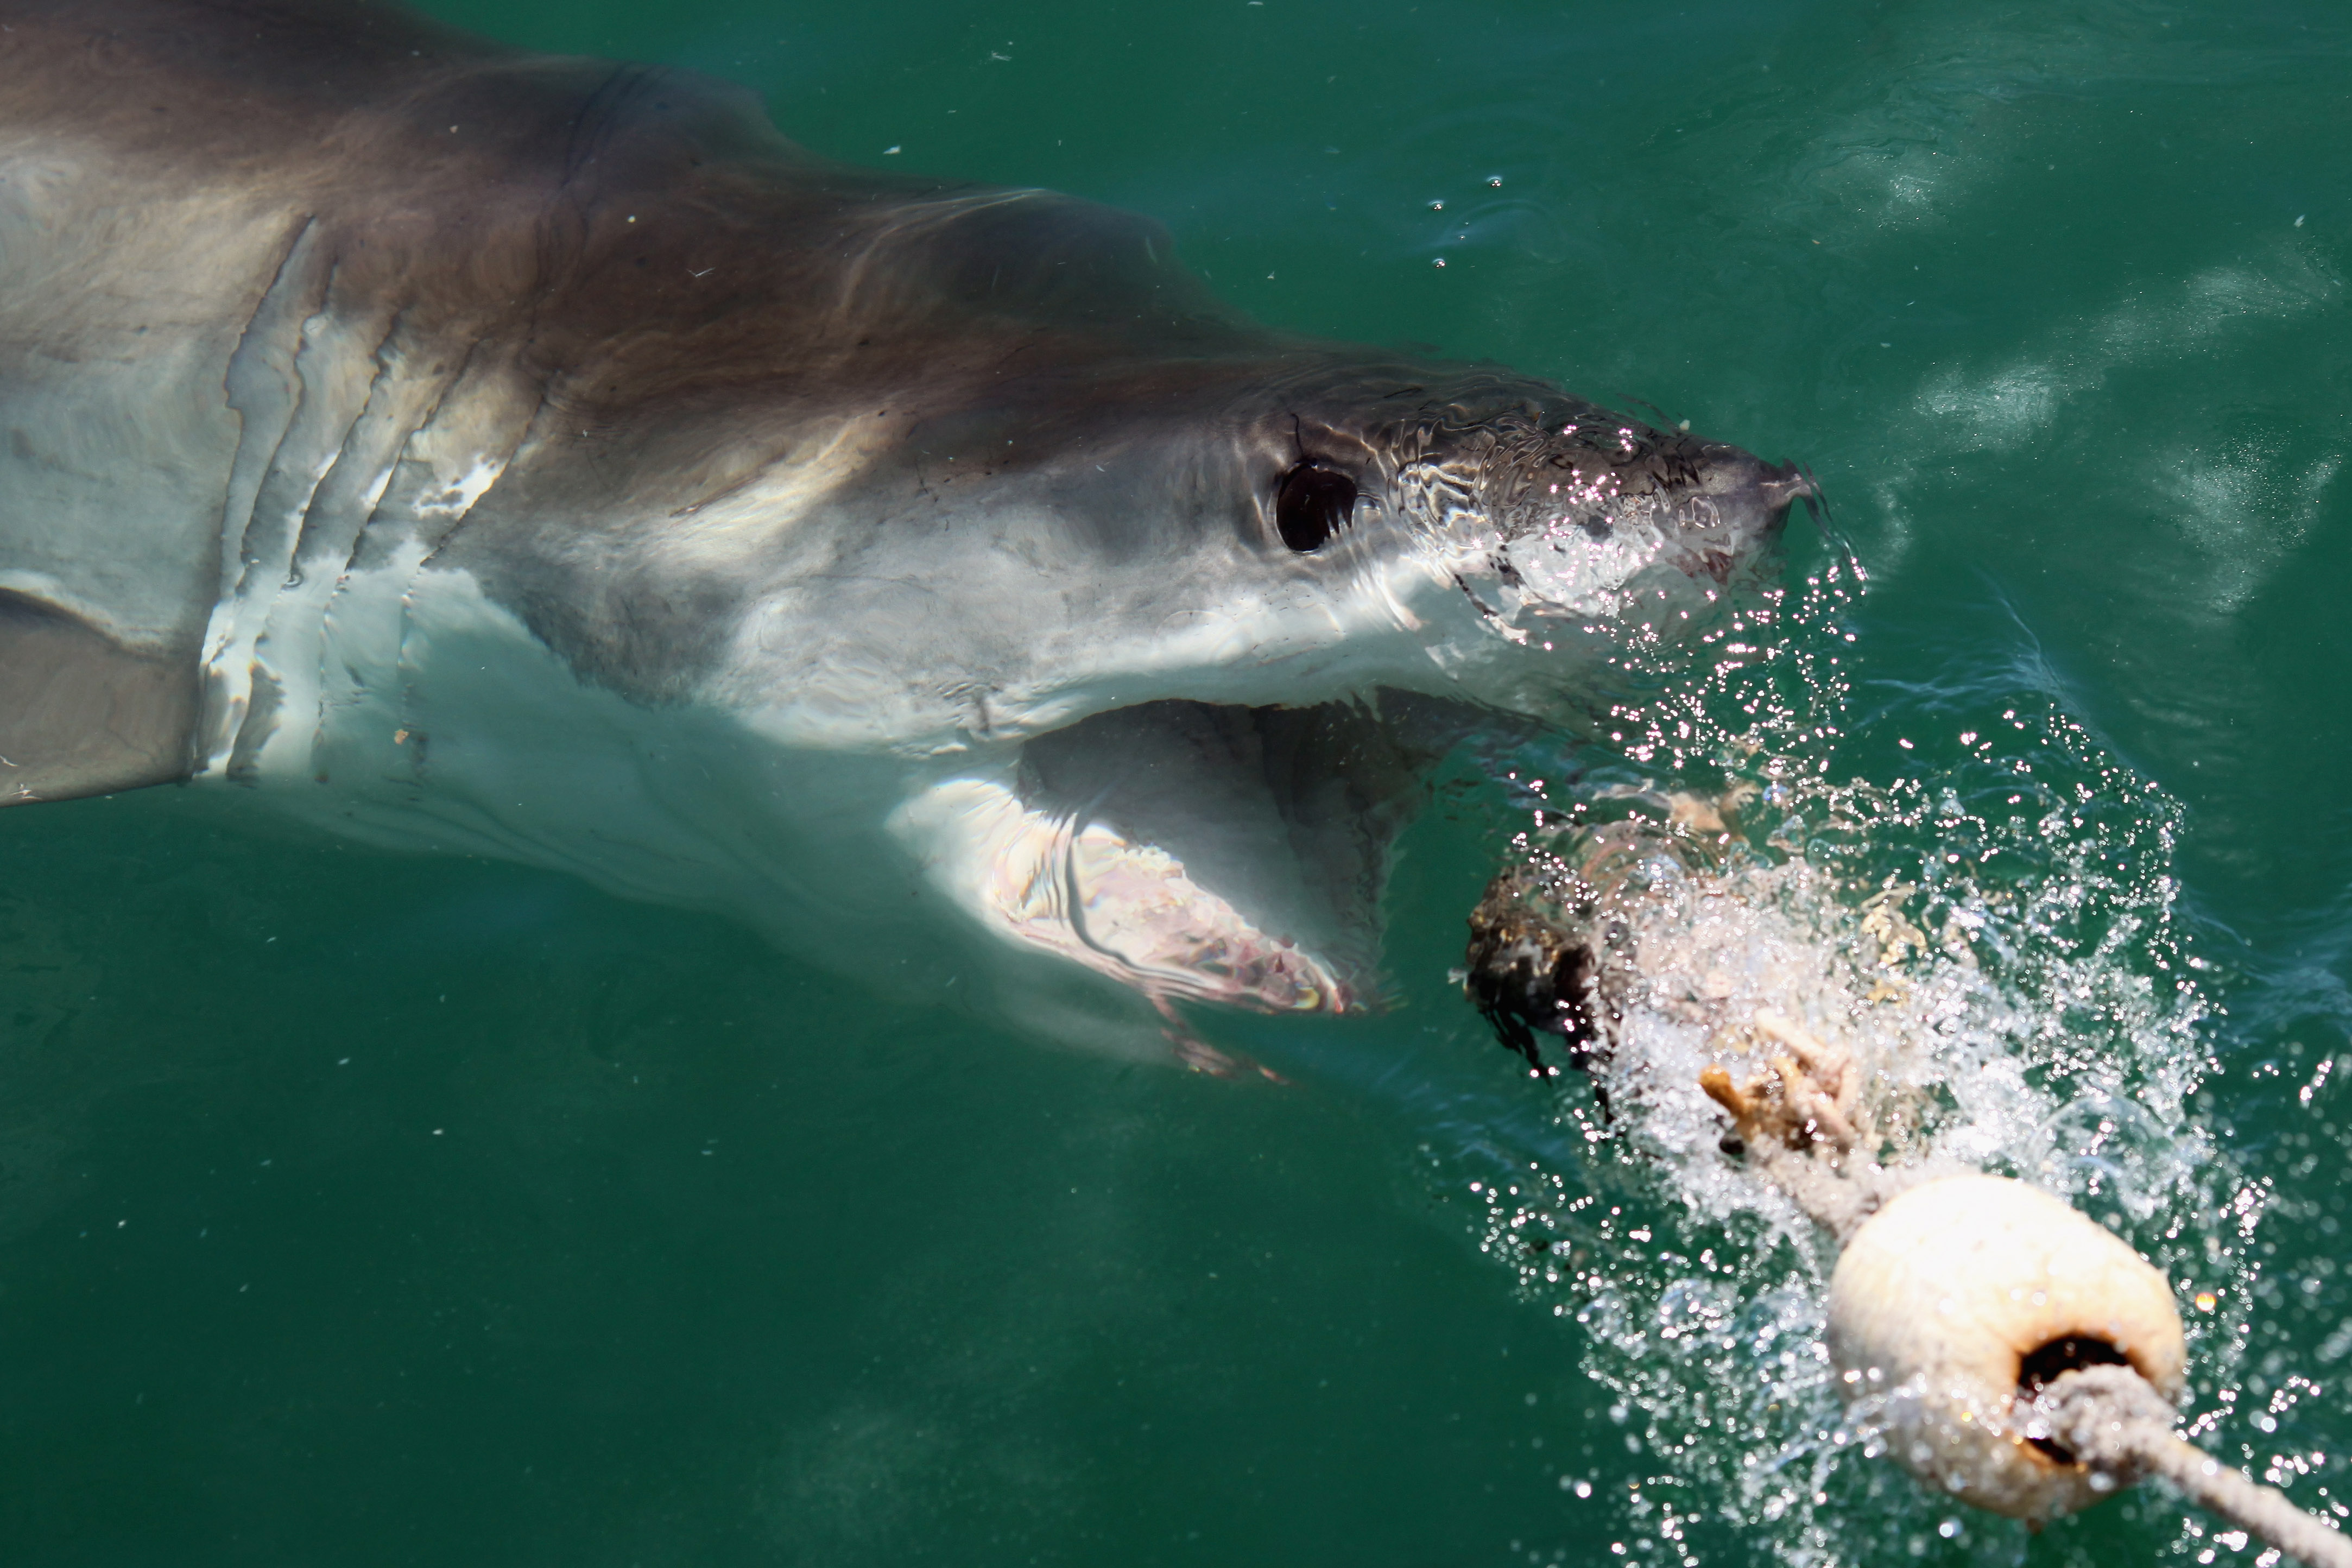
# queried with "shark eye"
point(1313, 504)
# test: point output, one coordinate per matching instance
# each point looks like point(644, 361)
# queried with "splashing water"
point(1989, 928)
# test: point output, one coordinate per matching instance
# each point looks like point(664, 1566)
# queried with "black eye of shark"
point(1313, 504)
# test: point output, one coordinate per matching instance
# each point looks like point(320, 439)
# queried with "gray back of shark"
point(543, 457)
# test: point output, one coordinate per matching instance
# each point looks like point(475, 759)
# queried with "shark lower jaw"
point(1195, 851)
point(1091, 894)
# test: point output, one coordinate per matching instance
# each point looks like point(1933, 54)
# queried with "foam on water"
point(1988, 924)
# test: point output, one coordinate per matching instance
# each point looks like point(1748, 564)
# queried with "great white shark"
point(471, 449)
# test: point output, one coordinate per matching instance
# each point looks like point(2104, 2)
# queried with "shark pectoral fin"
point(79, 713)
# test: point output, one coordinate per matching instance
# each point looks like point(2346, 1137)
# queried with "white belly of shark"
point(411, 712)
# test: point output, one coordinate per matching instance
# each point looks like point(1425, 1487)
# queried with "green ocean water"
point(361, 1209)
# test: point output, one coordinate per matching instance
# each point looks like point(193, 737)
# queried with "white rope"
point(2111, 1420)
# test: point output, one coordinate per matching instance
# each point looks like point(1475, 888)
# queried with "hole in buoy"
point(2043, 1367)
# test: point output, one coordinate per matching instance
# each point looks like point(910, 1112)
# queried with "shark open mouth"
point(1201, 851)
point(1236, 852)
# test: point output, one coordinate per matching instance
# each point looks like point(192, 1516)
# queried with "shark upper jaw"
point(1468, 615)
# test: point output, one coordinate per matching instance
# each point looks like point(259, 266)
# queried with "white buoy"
point(1962, 1292)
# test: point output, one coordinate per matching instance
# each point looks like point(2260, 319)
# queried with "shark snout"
point(1733, 516)
point(1749, 491)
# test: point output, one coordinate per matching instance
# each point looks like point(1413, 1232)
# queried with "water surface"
point(360, 1209)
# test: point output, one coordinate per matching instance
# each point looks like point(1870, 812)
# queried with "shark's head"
point(1187, 652)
